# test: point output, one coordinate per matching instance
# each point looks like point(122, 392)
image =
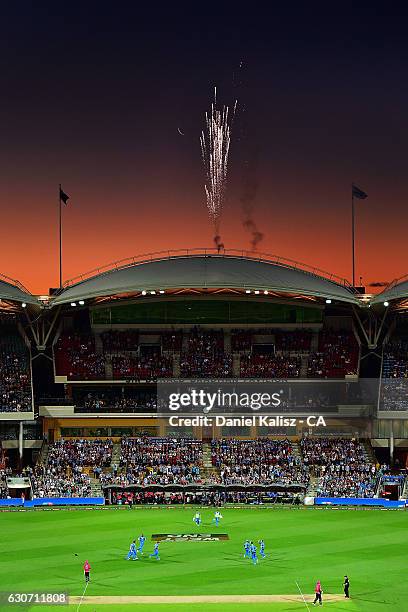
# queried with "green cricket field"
point(43, 551)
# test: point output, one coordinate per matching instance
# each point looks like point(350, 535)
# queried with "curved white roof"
point(209, 270)
point(396, 290)
point(12, 291)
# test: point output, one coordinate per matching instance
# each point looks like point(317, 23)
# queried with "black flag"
point(359, 193)
point(64, 197)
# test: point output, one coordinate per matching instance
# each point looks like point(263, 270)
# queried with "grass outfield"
point(37, 554)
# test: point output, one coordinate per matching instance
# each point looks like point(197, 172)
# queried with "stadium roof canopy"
point(206, 269)
point(13, 291)
point(396, 290)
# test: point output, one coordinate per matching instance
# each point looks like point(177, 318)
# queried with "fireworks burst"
point(215, 143)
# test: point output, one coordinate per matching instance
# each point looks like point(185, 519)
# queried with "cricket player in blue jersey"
point(197, 519)
point(262, 548)
point(132, 554)
point(253, 554)
point(142, 541)
point(217, 517)
point(247, 548)
point(155, 553)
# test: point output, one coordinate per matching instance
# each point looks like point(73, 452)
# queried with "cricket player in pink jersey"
point(87, 569)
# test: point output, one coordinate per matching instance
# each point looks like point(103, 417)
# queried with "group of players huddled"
point(133, 549)
point(251, 551)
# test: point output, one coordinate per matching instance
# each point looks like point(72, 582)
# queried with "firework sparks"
point(215, 144)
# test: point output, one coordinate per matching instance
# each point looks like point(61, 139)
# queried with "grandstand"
point(79, 369)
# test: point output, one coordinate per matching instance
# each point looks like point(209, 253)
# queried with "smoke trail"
point(249, 193)
point(215, 143)
point(379, 284)
point(249, 142)
point(218, 243)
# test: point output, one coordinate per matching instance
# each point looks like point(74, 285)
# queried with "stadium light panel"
point(386, 304)
point(161, 291)
point(247, 291)
point(24, 305)
point(152, 293)
point(143, 292)
point(257, 292)
point(73, 303)
point(328, 301)
point(266, 292)
point(81, 302)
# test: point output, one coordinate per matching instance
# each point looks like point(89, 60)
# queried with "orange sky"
point(95, 100)
point(106, 224)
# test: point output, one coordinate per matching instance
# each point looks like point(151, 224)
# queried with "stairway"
point(236, 364)
point(115, 454)
point(369, 454)
point(108, 368)
point(207, 470)
point(98, 344)
point(42, 458)
point(312, 489)
point(184, 343)
point(296, 450)
point(176, 365)
point(304, 366)
point(314, 343)
point(405, 490)
point(96, 489)
point(227, 341)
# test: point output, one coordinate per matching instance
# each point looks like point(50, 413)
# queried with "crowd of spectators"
point(337, 355)
point(203, 498)
point(241, 340)
point(341, 465)
point(143, 367)
point(145, 461)
point(205, 356)
point(3, 483)
point(111, 401)
point(117, 341)
point(394, 384)
point(15, 376)
point(202, 354)
point(75, 454)
point(262, 461)
point(395, 362)
point(296, 341)
point(65, 474)
point(270, 366)
point(172, 340)
point(11, 432)
point(76, 357)
point(55, 480)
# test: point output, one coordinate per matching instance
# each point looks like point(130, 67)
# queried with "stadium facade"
point(88, 356)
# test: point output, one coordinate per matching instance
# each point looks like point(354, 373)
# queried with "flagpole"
point(60, 237)
point(352, 235)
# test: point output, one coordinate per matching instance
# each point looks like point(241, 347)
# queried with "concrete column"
point(20, 441)
point(392, 441)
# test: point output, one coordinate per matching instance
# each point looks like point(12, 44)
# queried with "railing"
point(55, 401)
point(395, 282)
point(13, 281)
point(209, 252)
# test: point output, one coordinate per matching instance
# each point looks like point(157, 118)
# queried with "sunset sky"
point(93, 96)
